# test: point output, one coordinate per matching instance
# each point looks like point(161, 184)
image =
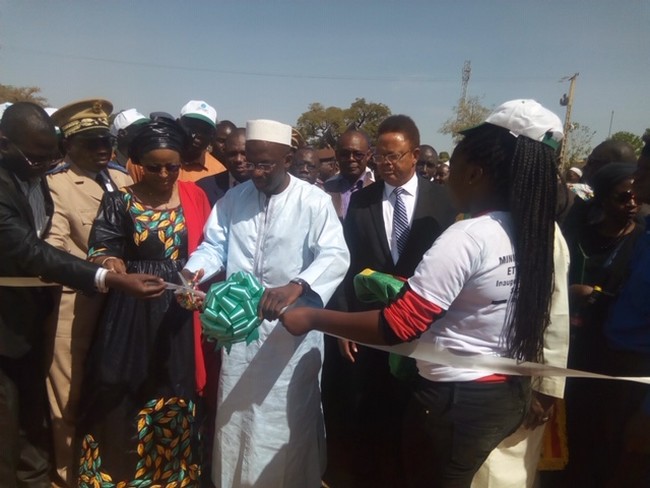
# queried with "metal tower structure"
point(467, 71)
point(567, 101)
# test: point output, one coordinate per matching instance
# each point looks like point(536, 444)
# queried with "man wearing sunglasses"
point(28, 147)
point(77, 186)
point(352, 155)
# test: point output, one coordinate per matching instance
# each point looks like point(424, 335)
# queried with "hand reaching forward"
point(190, 301)
point(274, 300)
point(297, 320)
point(138, 285)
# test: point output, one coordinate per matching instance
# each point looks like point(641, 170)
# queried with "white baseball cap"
point(198, 109)
point(525, 117)
point(269, 131)
point(126, 118)
point(4, 106)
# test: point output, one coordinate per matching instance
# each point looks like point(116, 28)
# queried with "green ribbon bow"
point(230, 311)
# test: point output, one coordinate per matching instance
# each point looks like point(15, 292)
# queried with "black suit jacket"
point(22, 253)
point(366, 238)
point(215, 186)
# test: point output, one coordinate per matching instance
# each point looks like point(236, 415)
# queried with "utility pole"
point(611, 121)
point(568, 103)
point(467, 71)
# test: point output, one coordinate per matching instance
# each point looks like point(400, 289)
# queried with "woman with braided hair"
point(484, 287)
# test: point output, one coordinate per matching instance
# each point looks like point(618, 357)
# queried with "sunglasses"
point(48, 162)
point(625, 197)
point(346, 154)
point(302, 164)
point(92, 143)
point(170, 167)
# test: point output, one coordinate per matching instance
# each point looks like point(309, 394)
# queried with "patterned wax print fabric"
point(138, 424)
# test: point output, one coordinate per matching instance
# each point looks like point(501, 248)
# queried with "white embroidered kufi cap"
point(269, 131)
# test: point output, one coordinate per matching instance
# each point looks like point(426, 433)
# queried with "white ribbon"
point(432, 353)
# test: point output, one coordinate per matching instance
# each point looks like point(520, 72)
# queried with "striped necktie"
point(400, 221)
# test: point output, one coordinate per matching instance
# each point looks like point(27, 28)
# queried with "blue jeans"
point(451, 428)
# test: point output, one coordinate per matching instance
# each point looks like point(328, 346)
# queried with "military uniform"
point(76, 194)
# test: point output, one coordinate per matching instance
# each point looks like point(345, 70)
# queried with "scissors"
point(184, 287)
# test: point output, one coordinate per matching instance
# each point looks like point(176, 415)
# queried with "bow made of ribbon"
point(230, 310)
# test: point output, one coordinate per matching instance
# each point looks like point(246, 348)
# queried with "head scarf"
point(610, 175)
point(157, 134)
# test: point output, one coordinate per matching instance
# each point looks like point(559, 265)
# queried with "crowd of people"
point(107, 380)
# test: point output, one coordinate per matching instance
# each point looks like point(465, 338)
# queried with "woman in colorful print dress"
point(145, 367)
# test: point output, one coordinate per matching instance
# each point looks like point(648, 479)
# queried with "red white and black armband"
point(407, 317)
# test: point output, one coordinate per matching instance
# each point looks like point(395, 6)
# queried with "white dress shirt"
point(409, 197)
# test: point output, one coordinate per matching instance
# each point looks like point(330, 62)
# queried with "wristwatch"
point(305, 286)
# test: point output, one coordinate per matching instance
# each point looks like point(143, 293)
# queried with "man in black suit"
point(28, 147)
point(216, 186)
point(388, 227)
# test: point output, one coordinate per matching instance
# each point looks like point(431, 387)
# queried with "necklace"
point(601, 242)
point(155, 201)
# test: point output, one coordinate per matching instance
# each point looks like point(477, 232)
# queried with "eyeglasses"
point(345, 154)
point(265, 166)
point(391, 158)
point(155, 168)
point(625, 197)
point(47, 163)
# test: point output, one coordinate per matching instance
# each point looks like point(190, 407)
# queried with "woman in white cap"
point(573, 175)
point(483, 288)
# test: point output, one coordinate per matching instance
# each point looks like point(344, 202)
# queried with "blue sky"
point(254, 59)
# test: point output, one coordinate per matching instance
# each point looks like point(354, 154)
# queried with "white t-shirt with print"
point(469, 271)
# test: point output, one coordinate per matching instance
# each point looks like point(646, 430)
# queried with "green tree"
point(366, 116)
point(579, 143)
point(321, 126)
point(468, 113)
point(13, 94)
point(635, 141)
point(646, 136)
